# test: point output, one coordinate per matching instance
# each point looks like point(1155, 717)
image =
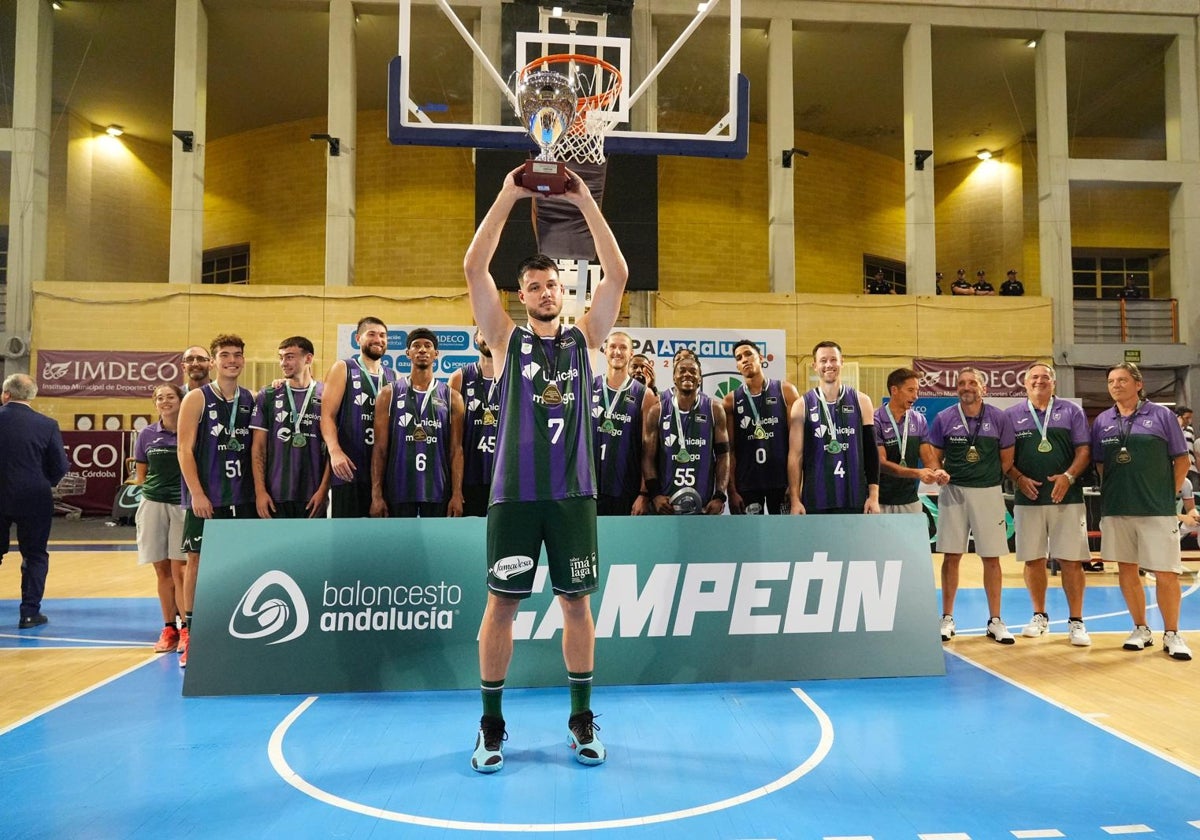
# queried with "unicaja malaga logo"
point(265, 611)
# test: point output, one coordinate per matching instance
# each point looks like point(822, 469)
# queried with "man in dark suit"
point(32, 461)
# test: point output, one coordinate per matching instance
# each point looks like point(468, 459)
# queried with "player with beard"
point(197, 368)
point(544, 484)
point(476, 382)
point(417, 463)
point(619, 402)
point(757, 417)
point(641, 370)
point(348, 419)
point(685, 446)
point(291, 475)
point(833, 462)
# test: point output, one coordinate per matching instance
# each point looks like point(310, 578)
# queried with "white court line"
point(1150, 605)
point(1084, 717)
point(1127, 829)
point(1032, 833)
point(76, 695)
point(275, 754)
point(99, 642)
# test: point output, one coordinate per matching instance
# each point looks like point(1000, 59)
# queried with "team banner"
point(456, 347)
point(330, 605)
point(104, 373)
point(939, 378)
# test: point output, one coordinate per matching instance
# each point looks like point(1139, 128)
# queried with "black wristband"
point(720, 497)
point(720, 447)
point(653, 487)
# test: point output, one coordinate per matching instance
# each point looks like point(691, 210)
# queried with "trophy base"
point(545, 176)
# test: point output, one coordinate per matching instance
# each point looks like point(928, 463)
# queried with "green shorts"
point(193, 526)
point(516, 532)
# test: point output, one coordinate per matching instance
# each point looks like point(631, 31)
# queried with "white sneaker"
point(1078, 634)
point(998, 630)
point(1039, 625)
point(1140, 639)
point(947, 628)
point(1174, 644)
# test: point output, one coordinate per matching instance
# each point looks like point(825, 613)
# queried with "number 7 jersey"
point(544, 441)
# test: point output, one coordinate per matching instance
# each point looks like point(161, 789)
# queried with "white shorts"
point(159, 532)
point(1152, 542)
point(1061, 528)
point(963, 511)
point(911, 507)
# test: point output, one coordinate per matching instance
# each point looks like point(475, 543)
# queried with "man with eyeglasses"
point(197, 368)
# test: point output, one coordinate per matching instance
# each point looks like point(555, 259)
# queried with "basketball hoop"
point(584, 140)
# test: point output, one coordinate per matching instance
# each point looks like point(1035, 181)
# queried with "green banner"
point(318, 606)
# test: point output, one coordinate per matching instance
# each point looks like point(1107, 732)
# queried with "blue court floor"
point(970, 755)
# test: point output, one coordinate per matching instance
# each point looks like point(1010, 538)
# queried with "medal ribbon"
point(553, 369)
point(902, 438)
point(967, 426)
point(616, 395)
point(1127, 429)
point(825, 408)
point(750, 399)
point(297, 419)
point(1042, 428)
point(232, 410)
point(372, 384)
point(679, 422)
point(411, 400)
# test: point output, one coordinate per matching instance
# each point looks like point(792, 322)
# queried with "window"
point(893, 272)
point(230, 264)
point(1097, 277)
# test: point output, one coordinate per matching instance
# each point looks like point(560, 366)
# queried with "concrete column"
point(29, 195)
point(340, 196)
point(187, 167)
point(1054, 198)
point(1183, 145)
point(920, 239)
point(781, 134)
point(489, 106)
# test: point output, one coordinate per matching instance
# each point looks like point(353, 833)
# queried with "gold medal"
point(1045, 446)
point(419, 434)
point(552, 396)
point(1123, 457)
point(972, 455)
point(489, 419)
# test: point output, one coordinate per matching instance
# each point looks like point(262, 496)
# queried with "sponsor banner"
point(456, 347)
point(104, 373)
point(939, 378)
point(96, 467)
point(315, 606)
point(714, 348)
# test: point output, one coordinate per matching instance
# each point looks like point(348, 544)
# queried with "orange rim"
point(584, 104)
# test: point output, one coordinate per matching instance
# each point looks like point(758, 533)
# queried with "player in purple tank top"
point(685, 444)
point(833, 462)
point(291, 473)
point(565, 523)
point(477, 384)
point(756, 416)
point(348, 418)
point(214, 460)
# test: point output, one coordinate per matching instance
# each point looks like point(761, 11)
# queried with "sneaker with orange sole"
point(184, 639)
point(168, 640)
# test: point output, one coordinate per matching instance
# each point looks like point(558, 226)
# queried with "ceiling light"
point(983, 154)
point(556, 12)
point(1031, 43)
point(56, 6)
point(114, 130)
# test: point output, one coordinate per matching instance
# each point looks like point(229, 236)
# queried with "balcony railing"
point(1127, 321)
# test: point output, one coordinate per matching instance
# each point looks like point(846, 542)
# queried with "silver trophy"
point(547, 102)
point(687, 502)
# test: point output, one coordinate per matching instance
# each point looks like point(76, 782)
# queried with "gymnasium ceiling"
point(267, 64)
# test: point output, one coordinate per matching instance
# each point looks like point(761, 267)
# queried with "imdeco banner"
point(328, 605)
point(104, 373)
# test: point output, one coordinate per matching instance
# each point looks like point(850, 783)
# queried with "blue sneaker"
point(489, 744)
point(581, 738)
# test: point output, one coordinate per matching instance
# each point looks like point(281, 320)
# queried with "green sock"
point(581, 690)
point(493, 695)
